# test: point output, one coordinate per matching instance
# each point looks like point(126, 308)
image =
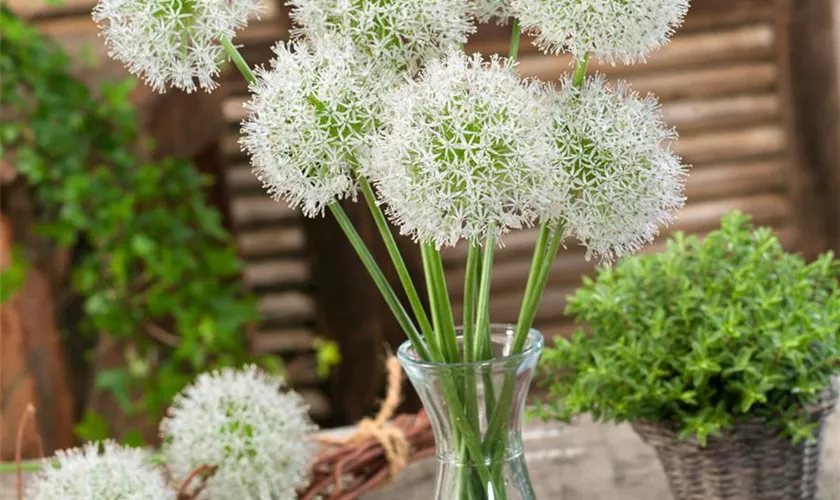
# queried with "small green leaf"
point(93, 427)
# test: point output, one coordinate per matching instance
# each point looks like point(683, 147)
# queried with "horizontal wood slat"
point(270, 241)
point(284, 340)
point(747, 43)
point(286, 306)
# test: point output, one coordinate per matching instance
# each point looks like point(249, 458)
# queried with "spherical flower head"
point(311, 119)
point(240, 422)
point(611, 30)
point(485, 11)
point(406, 33)
point(623, 180)
point(172, 42)
point(99, 471)
point(464, 152)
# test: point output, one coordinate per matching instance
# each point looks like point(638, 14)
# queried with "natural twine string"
point(392, 438)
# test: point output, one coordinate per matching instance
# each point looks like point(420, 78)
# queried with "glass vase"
point(476, 411)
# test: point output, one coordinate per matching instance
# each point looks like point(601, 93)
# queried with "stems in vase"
point(379, 278)
point(399, 264)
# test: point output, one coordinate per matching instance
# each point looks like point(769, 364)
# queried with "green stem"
point(483, 348)
point(580, 72)
point(529, 307)
point(543, 255)
point(522, 324)
point(470, 287)
point(444, 324)
point(25, 466)
point(544, 252)
point(379, 278)
point(399, 264)
point(516, 34)
point(238, 60)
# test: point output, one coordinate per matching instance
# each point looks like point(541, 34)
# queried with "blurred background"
point(751, 85)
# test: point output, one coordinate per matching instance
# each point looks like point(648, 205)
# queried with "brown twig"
point(375, 453)
point(28, 414)
point(203, 473)
point(161, 335)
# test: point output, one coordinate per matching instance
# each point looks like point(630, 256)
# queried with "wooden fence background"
point(751, 85)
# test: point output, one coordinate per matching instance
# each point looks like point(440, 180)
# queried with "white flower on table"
point(99, 471)
point(240, 422)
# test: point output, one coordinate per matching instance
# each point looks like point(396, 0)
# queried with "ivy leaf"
point(93, 427)
point(117, 381)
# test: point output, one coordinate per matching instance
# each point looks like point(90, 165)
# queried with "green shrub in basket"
point(706, 335)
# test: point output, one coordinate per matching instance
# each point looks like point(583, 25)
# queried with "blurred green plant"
point(705, 335)
point(327, 355)
point(12, 278)
point(157, 271)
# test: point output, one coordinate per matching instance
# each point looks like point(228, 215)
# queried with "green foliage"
point(12, 278)
point(327, 355)
point(705, 335)
point(156, 268)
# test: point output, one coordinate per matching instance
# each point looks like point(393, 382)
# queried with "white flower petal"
point(465, 152)
point(172, 42)
point(611, 30)
point(623, 181)
point(485, 11)
point(407, 33)
point(98, 472)
point(241, 422)
point(311, 119)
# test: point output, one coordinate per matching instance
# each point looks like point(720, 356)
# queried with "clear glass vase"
point(476, 412)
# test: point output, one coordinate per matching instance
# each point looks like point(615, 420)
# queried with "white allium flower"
point(407, 33)
point(174, 42)
point(311, 120)
point(465, 152)
point(624, 181)
point(99, 471)
point(611, 30)
point(241, 422)
point(491, 10)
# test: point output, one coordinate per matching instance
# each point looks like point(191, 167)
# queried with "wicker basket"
point(750, 462)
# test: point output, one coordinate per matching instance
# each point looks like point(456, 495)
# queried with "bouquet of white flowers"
point(378, 97)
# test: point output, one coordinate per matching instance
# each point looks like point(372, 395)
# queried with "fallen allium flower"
point(240, 422)
point(100, 472)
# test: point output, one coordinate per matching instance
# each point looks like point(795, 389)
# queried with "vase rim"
point(534, 345)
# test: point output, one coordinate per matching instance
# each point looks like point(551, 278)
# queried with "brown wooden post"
point(352, 312)
point(808, 52)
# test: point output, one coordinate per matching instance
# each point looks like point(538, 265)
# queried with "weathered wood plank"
point(586, 461)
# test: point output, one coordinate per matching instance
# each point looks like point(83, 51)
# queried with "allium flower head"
point(173, 42)
point(312, 116)
point(611, 30)
point(491, 10)
point(99, 472)
point(407, 33)
point(623, 179)
point(465, 152)
point(240, 422)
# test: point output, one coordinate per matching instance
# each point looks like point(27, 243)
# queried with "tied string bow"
point(375, 453)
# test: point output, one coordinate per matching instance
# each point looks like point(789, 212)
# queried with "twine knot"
point(392, 438)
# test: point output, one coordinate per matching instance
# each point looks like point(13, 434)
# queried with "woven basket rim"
point(671, 429)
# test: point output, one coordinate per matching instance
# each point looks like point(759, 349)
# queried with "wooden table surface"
point(588, 461)
point(583, 461)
